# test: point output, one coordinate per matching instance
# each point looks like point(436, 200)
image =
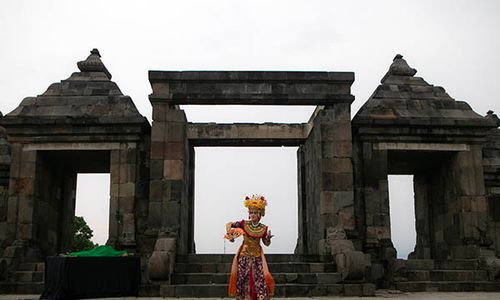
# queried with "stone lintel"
point(77, 146)
point(251, 99)
point(13, 121)
point(251, 87)
point(158, 76)
point(76, 133)
point(90, 139)
point(422, 146)
point(268, 134)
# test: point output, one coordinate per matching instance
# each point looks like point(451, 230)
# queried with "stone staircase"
point(207, 275)
point(28, 279)
point(427, 275)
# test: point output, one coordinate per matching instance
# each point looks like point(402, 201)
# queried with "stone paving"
point(396, 295)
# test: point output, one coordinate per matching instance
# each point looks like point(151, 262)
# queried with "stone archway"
point(325, 140)
point(82, 124)
point(411, 127)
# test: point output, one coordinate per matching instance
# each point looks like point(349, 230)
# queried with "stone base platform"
point(427, 275)
point(207, 275)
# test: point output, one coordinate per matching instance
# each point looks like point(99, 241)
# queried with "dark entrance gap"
point(431, 181)
point(56, 190)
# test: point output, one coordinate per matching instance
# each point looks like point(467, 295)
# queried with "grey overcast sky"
point(453, 43)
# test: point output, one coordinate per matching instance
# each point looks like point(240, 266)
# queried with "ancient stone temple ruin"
point(84, 124)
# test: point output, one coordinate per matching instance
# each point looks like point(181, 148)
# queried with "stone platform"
point(207, 275)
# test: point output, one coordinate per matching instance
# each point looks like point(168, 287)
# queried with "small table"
point(91, 277)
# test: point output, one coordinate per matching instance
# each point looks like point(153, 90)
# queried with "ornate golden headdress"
point(257, 201)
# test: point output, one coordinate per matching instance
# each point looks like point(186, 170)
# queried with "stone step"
point(26, 288)
point(149, 290)
point(448, 286)
point(28, 276)
point(280, 278)
point(446, 275)
point(281, 290)
point(275, 267)
point(431, 264)
point(227, 258)
point(32, 267)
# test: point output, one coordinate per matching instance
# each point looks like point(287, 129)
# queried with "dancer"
point(250, 278)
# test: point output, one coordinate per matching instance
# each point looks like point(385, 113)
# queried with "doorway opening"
point(56, 186)
point(402, 213)
point(92, 203)
point(225, 175)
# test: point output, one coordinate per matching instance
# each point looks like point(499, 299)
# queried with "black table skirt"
point(91, 277)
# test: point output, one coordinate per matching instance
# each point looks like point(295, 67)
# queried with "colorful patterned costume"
point(250, 278)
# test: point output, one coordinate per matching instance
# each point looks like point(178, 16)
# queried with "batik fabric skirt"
point(250, 283)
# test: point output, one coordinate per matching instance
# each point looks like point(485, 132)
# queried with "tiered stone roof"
point(88, 94)
point(403, 99)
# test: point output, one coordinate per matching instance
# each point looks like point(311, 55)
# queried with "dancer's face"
point(254, 215)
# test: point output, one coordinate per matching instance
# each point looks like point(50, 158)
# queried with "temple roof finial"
point(93, 63)
point(400, 67)
point(95, 51)
point(491, 115)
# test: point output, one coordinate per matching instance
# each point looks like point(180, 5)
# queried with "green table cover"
point(99, 251)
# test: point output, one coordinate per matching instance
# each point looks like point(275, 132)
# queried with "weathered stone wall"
point(20, 218)
point(441, 194)
point(169, 206)
point(141, 204)
point(4, 184)
point(326, 198)
point(423, 219)
point(56, 189)
point(372, 197)
point(123, 169)
point(308, 163)
point(491, 164)
point(468, 206)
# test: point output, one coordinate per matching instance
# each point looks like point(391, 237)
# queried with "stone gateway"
point(84, 124)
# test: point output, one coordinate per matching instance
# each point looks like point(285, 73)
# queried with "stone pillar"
point(168, 207)
point(469, 211)
point(22, 193)
point(21, 223)
point(310, 179)
point(336, 185)
point(301, 246)
point(377, 219)
point(376, 197)
point(64, 234)
point(4, 185)
point(326, 180)
point(422, 217)
point(123, 181)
